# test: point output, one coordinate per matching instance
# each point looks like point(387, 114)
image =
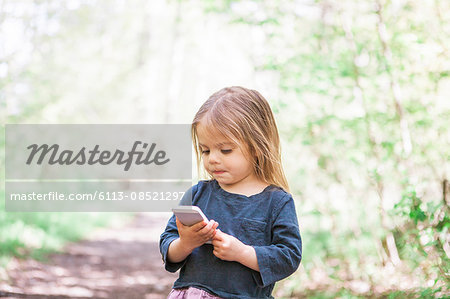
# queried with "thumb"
point(218, 235)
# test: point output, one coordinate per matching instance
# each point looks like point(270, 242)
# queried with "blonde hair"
point(244, 115)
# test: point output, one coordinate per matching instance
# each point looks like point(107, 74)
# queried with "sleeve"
point(170, 234)
point(283, 256)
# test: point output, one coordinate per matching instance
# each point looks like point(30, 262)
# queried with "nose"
point(213, 157)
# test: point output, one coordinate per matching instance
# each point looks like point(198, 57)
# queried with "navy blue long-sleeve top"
point(267, 221)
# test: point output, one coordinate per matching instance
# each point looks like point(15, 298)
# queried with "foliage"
point(361, 103)
point(364, 114)
point(34, 82)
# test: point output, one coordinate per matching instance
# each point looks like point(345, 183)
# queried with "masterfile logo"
point(97, 167)
point(91, 157)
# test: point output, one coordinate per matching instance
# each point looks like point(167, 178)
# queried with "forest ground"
point(114, 262)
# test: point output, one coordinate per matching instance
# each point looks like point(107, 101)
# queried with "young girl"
point(255, 234)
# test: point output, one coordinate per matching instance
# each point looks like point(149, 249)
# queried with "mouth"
point(218, 172)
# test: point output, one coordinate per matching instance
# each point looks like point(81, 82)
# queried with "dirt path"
point(112, 263)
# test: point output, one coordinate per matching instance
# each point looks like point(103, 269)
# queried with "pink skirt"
point(190, 293)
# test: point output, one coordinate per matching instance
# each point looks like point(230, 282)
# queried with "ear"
point(250, 154)
point(255, 154)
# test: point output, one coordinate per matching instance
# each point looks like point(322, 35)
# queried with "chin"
point(223, 181)
point(226, 182)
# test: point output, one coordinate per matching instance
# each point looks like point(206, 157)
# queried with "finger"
point(211, 234)
point(211, 224)
point(178, 222)
point(198, 226)
point(218, 235)
point(206, 229)
point(216, 224)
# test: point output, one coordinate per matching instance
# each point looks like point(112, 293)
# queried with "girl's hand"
point(196, 235)
point(227, 247)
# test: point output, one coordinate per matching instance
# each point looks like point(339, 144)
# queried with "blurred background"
point(360, 91)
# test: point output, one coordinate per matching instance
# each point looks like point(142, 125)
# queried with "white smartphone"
point(190, 215)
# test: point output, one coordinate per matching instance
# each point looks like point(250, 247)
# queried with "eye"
point(226, 151)
point(205, 152)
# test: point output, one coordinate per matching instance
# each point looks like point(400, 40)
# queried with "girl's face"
point(225, 160)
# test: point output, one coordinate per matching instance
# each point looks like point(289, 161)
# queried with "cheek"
point(205, 163)
point(246, 165)
point(239, 163)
